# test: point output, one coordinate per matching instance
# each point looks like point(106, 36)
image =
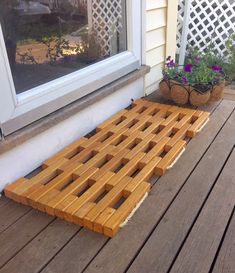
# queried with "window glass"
point(47, 39)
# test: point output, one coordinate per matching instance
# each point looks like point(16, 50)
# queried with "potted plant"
point(195, 82)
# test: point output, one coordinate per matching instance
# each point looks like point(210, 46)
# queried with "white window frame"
point(19, 111)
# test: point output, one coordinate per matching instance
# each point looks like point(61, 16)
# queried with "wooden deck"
point(186, 225)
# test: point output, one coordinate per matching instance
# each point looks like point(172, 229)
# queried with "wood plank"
point(41, 249)
point(207, 232)
point(21, 233)
point(180, 135)
point(178, 219)
point(24, 185)
point(113, 224)
point(173, 153)
point(89, 196)
point(197, 125)
point(155, 151)
point(110, 199)
point(3, 201)
point(10, 213)
point(111, 120)
point(144, 175)
point(158, 201)
point(75, 187)
point(67, 152)
point(77, 254)
point(225, 262)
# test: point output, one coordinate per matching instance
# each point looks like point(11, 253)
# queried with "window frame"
point(19, 111)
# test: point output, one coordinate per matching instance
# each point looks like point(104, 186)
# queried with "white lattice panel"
point(209, 20)
point(106, 20)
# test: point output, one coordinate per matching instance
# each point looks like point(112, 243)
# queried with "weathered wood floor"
point(186, 225)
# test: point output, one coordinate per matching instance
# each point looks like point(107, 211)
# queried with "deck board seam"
point(71, 238)
point(222, 241)
point(14, 222)
point(31, 239)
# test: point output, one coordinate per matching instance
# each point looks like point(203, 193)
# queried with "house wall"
point(160, 27)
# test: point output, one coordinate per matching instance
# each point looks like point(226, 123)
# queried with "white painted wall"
point(30, 155)
point(161, 22)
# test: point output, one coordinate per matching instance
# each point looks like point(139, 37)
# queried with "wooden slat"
point(3, 201)
point(41, 249)
point(67, 152)
point(180, 135)
point(225, 262)
point(89, 196)
point(77, 186)
point(170, 157)
point(21, 233)
point(10, 212)
point(144, 175)
point(108, 201)
point(84, 246)
point(87, 179)
point(208, 231)
point(198, 124)
point(178, 220)
point(113, 224)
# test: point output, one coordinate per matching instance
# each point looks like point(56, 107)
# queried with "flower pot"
point(180, 93)
point(217, 91)
point(165, 89)
point(196, 98)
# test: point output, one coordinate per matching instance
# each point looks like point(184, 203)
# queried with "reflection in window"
point(47, 39)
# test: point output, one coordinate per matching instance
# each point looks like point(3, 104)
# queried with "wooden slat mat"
point(97, 182)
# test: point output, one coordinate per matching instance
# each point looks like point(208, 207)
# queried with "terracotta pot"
point(217, 91)
point(197, 98)
point(165, 89)
point(180, 93)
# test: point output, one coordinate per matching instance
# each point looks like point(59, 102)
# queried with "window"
point(53, 52)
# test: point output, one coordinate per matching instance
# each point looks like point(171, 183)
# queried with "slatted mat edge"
point(97, 182)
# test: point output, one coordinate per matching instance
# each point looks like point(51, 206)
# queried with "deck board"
point(34, 242)
point(3, 201)
point(207, 232)
point(10, 212)
point(180, 217)
point(225, 262)
point(43, 247)
point(17, 236)
point(78, 253)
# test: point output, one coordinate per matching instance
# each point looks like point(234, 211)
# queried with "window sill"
point(37, 127)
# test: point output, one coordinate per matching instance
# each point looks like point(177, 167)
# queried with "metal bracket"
point(1, 134)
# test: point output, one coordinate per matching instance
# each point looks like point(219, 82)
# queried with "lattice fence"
point(210, 20)
point(106, 19)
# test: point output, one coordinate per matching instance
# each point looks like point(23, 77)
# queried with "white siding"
point(159, 41)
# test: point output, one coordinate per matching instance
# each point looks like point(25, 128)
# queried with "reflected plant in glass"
point(48, 39)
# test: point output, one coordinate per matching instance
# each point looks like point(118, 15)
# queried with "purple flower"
point(184, 80)
point(188, 68)
point(165, 77)
point(197, 59)
point(216, 68)
point(171, 64)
